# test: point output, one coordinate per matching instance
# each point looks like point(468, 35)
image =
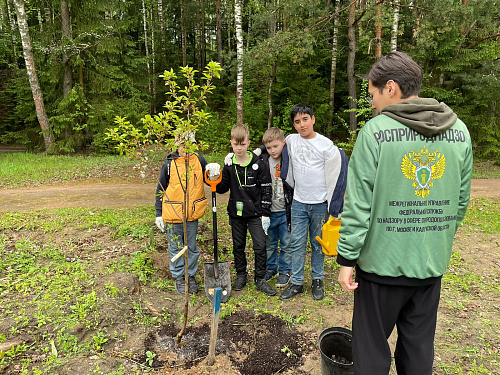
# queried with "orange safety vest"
point(173, 200)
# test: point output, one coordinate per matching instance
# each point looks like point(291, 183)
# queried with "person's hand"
point(213, 170)
point(228, 160)
point(345, 279)
point(266, 222)
point(257, 151)
point(160, 224)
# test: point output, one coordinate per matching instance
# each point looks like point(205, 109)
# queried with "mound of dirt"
point(246, 345)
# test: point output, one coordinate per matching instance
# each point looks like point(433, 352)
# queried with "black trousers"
point(239, 227)
point(377, 309)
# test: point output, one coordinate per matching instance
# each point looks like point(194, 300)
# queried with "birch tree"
point(144, 21)
point(333, 71)
point(66, 34)
point(272, 33)
point(10, 29)
point(219, 32)
point(183, 33)
point(351, 78)
point(395, 25)
point(239, 59)
point(32, 75)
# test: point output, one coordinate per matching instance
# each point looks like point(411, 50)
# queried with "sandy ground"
point(87, 194)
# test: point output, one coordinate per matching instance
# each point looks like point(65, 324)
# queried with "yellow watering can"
point(330, 234)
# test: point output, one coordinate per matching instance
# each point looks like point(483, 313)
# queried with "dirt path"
point(97, 194)
point(83, 194)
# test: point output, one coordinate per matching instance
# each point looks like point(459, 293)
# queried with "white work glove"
point(213, 170)
point(266, 222)
point(160, 224)
point(257, 151)
point(228, 160)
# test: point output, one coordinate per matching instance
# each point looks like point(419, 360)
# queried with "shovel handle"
point(213, 183)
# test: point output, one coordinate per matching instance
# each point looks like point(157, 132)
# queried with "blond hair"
point(273, 134)
point(240, 133)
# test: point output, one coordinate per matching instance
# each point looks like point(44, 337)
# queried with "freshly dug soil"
point(255, 345)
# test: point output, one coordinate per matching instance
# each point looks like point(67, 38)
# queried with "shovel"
point(216, 273)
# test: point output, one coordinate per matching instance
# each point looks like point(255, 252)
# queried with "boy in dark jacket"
point(249, 207)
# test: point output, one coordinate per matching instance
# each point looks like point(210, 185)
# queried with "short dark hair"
point(301, 108)
point(400, 68)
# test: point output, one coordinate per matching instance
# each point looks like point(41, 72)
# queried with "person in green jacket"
point(408, 189)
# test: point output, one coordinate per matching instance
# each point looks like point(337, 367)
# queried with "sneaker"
point(291, 291)
point(317, 289)
point(283, 280)
point(241, 281)
point(193, 287)
point(180, 287)
point(270, 274)
point(264, 287)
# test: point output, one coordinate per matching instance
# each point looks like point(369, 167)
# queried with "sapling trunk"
point(185, 255)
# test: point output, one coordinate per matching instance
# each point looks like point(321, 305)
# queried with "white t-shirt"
point(308, 157)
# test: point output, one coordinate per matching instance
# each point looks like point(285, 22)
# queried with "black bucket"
point(335, 345)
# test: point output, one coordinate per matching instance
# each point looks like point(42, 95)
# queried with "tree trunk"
point(270, 95)
point(144, 21)
point(80, 66)
point(239, 57)
point(395, 25)
point(153, 55)
point(272, 33)
point(183, 35)
point(416, 17)
point(360, 26)
point(66, 33)
point(179, 335)
point(229, 20)
point(161, 20)
point(351, 78)
point(197, 45)
point(203, 38)
point(378, 33)
point(2, 16)
point(32, 76)
point(249, 27)
point(11, 29)
point(48, 14)
point(219, 31)
point(333, 72)
point(38, 16)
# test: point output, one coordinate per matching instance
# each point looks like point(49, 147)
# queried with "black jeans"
point(377, 309)
point(239, 227)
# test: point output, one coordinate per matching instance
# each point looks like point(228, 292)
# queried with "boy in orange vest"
point(169, 204)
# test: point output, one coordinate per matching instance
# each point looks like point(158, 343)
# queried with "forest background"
point(68, 68)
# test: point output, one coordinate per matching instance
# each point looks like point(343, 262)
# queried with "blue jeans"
point(175, 237)
point(307, 219)
point(278, 231)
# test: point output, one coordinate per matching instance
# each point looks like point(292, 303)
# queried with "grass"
point(27, 170)
point(486, 169)
point(482, 215)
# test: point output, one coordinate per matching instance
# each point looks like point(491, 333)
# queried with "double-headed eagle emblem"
point(423, 167)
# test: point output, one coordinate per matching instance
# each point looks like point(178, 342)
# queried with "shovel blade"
point(223, 280)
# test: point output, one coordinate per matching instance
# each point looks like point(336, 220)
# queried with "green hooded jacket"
point(408, 188)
